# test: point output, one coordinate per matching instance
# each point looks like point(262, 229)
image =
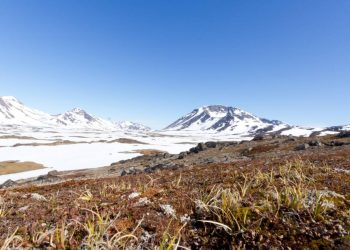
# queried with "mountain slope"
point(222, 119)
point(79, 118)
point(128, 126)
point(13, 112)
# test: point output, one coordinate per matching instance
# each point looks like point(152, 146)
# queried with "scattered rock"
point(8, 183)
point(182, 155)
point(157, 167)
point(130, 171)
point(200, 147)
point(210, 144)
point(258, 138)
point(302, 147)
point(344, 134)
point(35, 196)
point(246, 151)
point(336, 143)
point(315, 143)
point(291, 139)
point(123, 173)
point(49, 177)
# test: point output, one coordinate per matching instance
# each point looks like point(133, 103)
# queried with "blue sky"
point(153, 61)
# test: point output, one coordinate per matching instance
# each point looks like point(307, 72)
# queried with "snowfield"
point(76, 139)
point(87, 153)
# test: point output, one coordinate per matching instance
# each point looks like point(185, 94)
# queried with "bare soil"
point(11, 167)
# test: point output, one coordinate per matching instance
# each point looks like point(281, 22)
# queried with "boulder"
point(315, 143)
point(8, 183)
point(258, 138)
point(210, 144)
point(182, 155)
point(302, 147)
point(200, 147)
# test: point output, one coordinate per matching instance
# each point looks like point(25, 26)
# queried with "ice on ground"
point(82, 155)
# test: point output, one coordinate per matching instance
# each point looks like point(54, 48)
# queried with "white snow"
point(213, 119)
point(299, 131)
point(83, 155)
point(13, 112)
point(93, 134)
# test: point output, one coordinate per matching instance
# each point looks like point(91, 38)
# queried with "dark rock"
point(123, 173)
point(245, 152)
point(210, 144)
point(182, 155)
point(200, 147)
point(53, 173)
point(48, 178)
point(8, 183)
point(258, 138)
point(343, 134)
point(338, 143)
point(133, 171)
point(208, 161)
point(315, 133)
point(291, 139)
point(243, 142)
point(302, 147)
point(166, 155)
point(194, 150)
point(315, 143)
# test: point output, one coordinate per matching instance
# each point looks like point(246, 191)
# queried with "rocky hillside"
point(219, 118)
point(222, 120)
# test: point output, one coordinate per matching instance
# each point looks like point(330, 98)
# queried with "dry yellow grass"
point(147, 151)
point(11, 167)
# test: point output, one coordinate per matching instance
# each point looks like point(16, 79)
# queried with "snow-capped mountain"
point(222, 119)
point(79, 118)
point(127, 125)
point(13, 112)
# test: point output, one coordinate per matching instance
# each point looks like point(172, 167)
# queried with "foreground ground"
point(269, 193)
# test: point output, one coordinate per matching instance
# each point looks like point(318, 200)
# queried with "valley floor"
point(272, 193)
point(72, 150)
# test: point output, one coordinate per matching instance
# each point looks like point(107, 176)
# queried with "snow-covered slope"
point(346, 127)
point(224, 120)
point(13, 112)
point(79, 118)
point(130, 126)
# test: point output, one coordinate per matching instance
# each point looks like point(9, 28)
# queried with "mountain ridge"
point(220, 119)
point(211, 119)
point(14, 112)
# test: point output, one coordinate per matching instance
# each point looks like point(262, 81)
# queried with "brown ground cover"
point(278, 198)
point(11, 167)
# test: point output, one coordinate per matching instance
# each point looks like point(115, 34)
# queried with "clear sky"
point(153, 61)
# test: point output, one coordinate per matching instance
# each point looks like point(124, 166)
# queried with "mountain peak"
point(127, 125)
point(9, 98)
point(218, 110)
point(77, 111)
point(219, 118)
